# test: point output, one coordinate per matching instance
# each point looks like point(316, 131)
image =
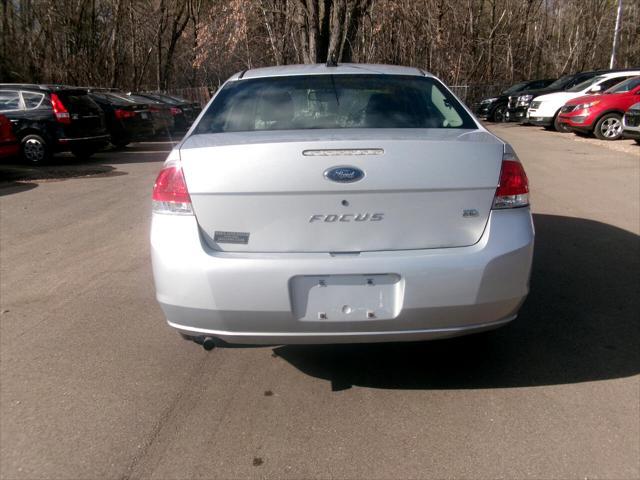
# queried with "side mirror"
point(595, 89)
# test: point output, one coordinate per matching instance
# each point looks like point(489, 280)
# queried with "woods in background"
point(161, 44)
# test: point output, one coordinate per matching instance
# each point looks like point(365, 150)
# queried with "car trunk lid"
point(267, 191)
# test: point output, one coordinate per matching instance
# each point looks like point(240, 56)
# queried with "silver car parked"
point(350, 203)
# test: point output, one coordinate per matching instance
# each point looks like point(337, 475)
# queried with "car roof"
point(38, 87)
point(620, 73)
point(323, 69)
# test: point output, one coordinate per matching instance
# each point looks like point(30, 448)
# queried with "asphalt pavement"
point(93, 384)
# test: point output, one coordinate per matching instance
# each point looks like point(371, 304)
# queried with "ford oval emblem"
point(344, 174)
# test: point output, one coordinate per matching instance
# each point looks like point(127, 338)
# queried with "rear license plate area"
point(346, 298)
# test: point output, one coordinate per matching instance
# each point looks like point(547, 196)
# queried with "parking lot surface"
point(94, 385)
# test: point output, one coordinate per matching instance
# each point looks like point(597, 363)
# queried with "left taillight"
point(170, 193)
point(121, 114)
point(59, 110)
point(513, 188)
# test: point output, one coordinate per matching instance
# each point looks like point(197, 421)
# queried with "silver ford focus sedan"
point(349, 203)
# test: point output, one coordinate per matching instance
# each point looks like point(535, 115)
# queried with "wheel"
point(499, 114)
point(559, 127)
point(609, 127)
point(35, 149)
point(638, 141)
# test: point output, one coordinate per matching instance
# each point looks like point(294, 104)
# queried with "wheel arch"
point(606, 112)
point(32, 131)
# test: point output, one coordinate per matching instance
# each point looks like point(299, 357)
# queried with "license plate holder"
point(346, 298)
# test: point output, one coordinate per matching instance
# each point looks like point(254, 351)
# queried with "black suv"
point(495, 109)
point(53, 118)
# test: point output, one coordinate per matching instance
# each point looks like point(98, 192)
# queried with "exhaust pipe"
point(208, 343)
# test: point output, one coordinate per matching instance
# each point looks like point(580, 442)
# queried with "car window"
point(540, 84)
point(78, 102)
point(562, 81)
point(116, 99)
point(451, 118)
point(515, 88)
point(625, 86)
point(140, 99)
point(162, 99)
point(333, 101)
point(126, 98)
point(32, 100)
point(578, 79)
point(586, 84)
point(9, 100)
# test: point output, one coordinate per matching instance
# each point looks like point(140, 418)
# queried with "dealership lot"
point(94, 385)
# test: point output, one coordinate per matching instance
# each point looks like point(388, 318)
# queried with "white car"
point(350, 203)
point(544, 109)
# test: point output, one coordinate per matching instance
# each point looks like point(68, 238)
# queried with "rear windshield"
point(333, 101)
point(112, 98)
point(141, 99)
point(120, 98)
point(78, 102)
point(165, 99)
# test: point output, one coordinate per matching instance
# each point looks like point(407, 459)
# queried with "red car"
point(9, 146)
point(601, 114)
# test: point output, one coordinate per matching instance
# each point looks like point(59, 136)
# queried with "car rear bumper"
point(251, 298)
point(9, 149)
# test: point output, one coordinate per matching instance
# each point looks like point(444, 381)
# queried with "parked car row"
point(40, 120)
point(585, 103)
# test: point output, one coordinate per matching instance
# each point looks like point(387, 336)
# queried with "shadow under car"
point(580, 323)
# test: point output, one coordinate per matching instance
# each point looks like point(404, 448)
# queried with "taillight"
point(59, 110)
point(170, 194)
point(122, 114)
point(513, 189)
point(175, 111)
point(6, 132)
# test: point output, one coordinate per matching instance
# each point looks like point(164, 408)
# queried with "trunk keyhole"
point(345, 203)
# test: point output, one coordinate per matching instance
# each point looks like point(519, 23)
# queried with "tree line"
point(163, 44)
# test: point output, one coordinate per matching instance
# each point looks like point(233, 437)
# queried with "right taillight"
point(175, 111)
point(170, 193)
point(513, 189)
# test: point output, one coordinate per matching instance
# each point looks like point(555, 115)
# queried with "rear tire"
point(609, 127)
point(638, 141)
point(35, 150)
